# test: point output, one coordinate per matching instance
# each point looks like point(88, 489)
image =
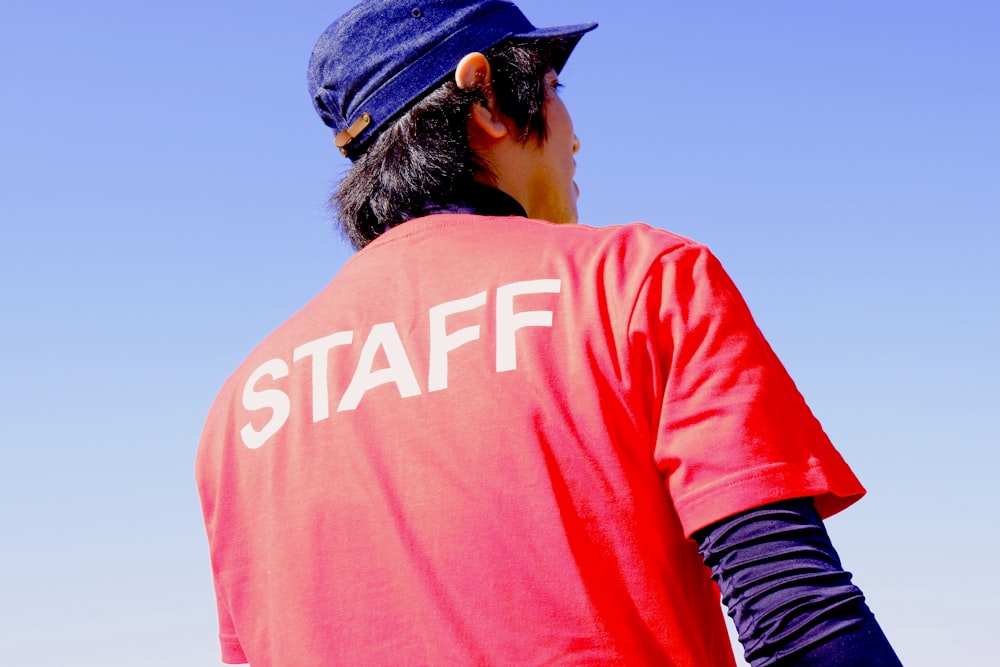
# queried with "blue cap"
point(382, 57)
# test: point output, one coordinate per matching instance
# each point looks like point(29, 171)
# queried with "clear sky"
point(162, 188)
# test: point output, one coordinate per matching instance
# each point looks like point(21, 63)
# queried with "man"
point(495, 440)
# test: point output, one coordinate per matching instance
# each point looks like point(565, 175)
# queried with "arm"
point(791, 601)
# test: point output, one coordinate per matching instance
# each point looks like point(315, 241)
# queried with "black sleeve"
point(789, 597)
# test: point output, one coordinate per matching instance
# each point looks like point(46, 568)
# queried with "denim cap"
point(382, 57)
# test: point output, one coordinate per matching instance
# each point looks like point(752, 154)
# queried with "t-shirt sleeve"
point(232, 650)
point(209, 462)
point(229, 643)
point(731, 431)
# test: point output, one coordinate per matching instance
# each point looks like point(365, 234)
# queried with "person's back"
point(471, 448)
point(494, 440)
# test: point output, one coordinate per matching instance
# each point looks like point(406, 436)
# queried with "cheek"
point(563, 123)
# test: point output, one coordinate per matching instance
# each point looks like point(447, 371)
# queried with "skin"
point(538, 174)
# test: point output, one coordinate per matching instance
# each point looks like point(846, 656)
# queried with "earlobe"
point(490, 122)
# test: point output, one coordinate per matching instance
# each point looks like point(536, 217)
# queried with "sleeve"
point(208, 464)
point(789, 597)
point(232, 650)
point(731, 432)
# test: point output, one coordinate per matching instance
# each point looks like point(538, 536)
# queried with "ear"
point(473, 73)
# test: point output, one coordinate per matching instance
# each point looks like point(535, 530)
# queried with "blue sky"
point(162, 203)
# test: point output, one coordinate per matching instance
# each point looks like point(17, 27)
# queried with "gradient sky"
point(162, 188)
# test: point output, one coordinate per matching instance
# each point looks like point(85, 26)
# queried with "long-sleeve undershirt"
point(789, 597)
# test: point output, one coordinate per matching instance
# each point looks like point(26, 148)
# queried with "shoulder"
point(632, 242)
point(635, 245)
point(457, 226)
point(637, 234)
point(639, 249)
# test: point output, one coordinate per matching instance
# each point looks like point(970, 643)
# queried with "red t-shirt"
point(488, 441)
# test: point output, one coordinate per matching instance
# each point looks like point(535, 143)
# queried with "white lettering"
point(397, 368)
point(399, 371)
point(441, 342)
point(508, 322)
point(319, 351)
point(275, 399)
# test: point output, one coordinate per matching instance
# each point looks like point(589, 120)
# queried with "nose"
point(576, 144)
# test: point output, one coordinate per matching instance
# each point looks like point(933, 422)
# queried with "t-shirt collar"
point(479, 199)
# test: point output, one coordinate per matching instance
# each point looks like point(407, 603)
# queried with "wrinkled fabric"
point(790, 599)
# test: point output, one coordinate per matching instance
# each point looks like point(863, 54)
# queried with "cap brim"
point(570, 34)
point(563, 31)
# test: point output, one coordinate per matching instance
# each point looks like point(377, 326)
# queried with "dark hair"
point(424, 160)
